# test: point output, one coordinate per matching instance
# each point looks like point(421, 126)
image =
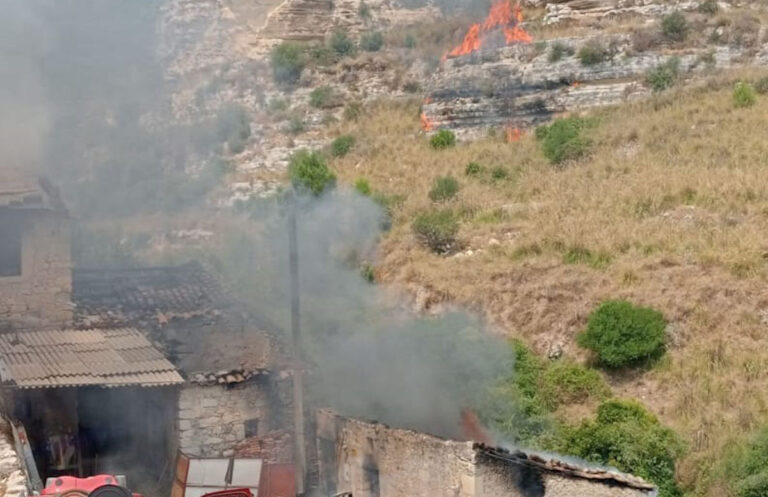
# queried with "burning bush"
point(443, 139)
point(627, 436)
point(744, 95)
point(309, 172)
point(372, 42)
point(622, 334)
point(288, 62)
point(342, 145)
point(664, 75)
point(563, 140)
point(444, 188)
point(674, 26)
point(437, 230)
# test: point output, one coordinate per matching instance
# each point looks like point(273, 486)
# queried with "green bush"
point(309, 172)
point(761, 85)
point(622, 334)
point(411, 87)
point(322, 97)
point(364, 11)
point(709, 7)
point(353, 111)
point(558, 51)
point(566, 382)
point(437, 230)
point(410, 41)
point(363, 187)
point(473, 169)
point(342, 145)
point(295, 125)
point(753, 485)
point(288, 61)
point(372, 42)
point(443, 139)
point(564, 139)
point(278, 105)
point(674, 26)
point(499, 173)
point(664, 75)
point(582, 255)
point(443, 188)
point(343, 44)
point(744, 95)
point(593, 53)
point(625, 435)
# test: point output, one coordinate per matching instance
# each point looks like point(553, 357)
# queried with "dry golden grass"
point(675, 197)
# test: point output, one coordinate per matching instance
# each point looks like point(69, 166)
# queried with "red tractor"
point(111, 486)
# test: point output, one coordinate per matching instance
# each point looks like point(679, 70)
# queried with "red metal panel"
point(278, 480)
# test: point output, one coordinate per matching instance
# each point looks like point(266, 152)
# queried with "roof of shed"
point(65, 358)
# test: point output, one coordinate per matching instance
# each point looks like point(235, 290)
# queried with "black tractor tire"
point(111, 491)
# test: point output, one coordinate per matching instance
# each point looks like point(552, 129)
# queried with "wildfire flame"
point(426, 124)
point(513, 133)
point(503, 14)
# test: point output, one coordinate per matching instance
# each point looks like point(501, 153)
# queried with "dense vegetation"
point(565, 139)
point(309, 172)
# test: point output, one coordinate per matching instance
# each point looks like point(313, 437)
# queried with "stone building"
point(196, 372)
point(369, 459)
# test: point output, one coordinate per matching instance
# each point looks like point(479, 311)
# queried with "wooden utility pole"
point(300, 459)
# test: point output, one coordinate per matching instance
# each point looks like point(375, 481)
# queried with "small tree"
point(372, 42)
point(287, 60)
point(309, 172)
point(437, 230)
point(443, 139)
point(674, 26)
point(744, 95)
point(322, 97)
point(622, 334)
point(564, 139)
point(664, 75)
point(342, 145)
point(593, 53)
point(444, 188)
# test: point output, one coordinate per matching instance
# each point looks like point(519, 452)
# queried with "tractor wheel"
point(110, 491)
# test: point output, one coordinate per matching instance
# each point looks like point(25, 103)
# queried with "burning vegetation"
point(503, 15)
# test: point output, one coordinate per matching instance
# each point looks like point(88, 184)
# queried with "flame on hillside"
point(502, 15)
point(426, 124)
point(513, 133)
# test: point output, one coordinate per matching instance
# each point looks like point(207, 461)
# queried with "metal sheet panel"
point(207, 473)
point(246, 473)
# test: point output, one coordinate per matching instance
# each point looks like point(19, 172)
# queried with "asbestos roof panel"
point(57, 358)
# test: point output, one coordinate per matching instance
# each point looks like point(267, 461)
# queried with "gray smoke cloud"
point(373, 356)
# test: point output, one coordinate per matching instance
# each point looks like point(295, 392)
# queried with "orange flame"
point(426, 124)
point(502, 14)
point(513, 133)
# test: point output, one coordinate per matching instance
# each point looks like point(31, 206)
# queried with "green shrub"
point(342, 145)
point(353, 111)
point(363, 187)
point(443, 188)
point(410, 41)
point(296, 125)
point(411, 87)
point(499, 173)
point(674, 26)
point(582, 255)
point(564, 139)
point(309, 172)
point(753, 485)
point(761, 85)
point(709, 7)
point(372, 42)
point(443, 139)
point(664, 75)
point(744, 95)
point(321, 55)
point(558, 51)
point(622, 334)
point(288, 61)
point(473, 169)
point(364, 11)
point(277, 105)
point(343, 44)
point(593, 53)
point(625, 435)
point(322, 97)
point(437, 230)
point(566, 382)
point(368, 273)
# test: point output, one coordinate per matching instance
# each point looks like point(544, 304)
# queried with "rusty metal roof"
point(65, 358)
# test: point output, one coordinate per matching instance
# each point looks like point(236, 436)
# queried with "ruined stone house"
point(114, 369)
point(369, 459)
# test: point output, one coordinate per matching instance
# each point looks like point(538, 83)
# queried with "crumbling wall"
point(213, 419)
point(13, 481)
point(374, 460)
point(496, 478)
point(43, 291)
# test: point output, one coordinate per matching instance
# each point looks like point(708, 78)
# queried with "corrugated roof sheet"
point(104, 357)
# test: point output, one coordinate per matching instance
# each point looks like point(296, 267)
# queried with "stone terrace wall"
point(44, 289)
point(373, 460)
point(212, 419)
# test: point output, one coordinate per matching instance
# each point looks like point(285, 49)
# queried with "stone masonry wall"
point(373, 460)
point(212, 419)
point(43, 292)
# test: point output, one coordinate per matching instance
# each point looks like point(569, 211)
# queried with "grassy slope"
point(674, 198)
